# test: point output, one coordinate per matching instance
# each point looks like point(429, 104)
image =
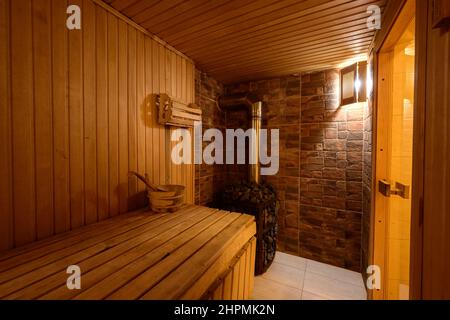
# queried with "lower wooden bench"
point(195, 253)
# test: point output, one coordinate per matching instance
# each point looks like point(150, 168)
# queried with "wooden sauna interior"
point(80, 116)
point(81, 108)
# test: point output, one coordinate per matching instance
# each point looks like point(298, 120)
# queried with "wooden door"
point(396, 76)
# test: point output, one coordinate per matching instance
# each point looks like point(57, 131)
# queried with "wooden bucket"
point(167, 201)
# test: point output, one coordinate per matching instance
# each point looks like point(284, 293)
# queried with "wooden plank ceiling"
point(240, 40)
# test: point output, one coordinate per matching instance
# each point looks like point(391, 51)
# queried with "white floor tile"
point(311, 296)
point(333, 272)
point(285, 275)
point(290, 260)
point(294, 278)
point(331, 288)
point(270, 290)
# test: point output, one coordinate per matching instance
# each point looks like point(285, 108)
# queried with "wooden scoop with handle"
point(147, 183)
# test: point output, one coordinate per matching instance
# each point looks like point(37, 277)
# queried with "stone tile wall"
point(281, 110)
point(331, 173)
point(209, 180)
point(323, 151)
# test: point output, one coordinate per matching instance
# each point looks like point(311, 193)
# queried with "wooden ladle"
point(147, 183)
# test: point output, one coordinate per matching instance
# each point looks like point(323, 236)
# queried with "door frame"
point(392, 14)
point(417, 207)
point(382, 130)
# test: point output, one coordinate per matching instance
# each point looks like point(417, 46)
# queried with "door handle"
point(402, 190)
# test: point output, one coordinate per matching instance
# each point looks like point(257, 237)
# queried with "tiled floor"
point(295, 278)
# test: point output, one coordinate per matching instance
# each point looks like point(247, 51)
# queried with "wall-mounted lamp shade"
point(348, 84)
point(362, 79)
point(354, 83)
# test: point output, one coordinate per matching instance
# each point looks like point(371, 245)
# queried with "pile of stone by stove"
point(259, 200)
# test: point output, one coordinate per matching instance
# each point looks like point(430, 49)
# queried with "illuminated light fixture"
point(357, 85)
point(369, 80)
point(362, 79)
point(348, 78)
point(353, 83)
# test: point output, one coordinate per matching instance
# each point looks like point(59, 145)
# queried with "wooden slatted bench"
point(195, 253)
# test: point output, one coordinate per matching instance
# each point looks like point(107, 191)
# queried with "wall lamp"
point(354, 83)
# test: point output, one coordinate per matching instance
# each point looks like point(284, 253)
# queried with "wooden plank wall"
point(75, 117)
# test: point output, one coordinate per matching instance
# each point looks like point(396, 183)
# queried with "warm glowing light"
point(357, 85)
point(369, 81)
point(407, 105)
point(410, 50)
point(359, 58)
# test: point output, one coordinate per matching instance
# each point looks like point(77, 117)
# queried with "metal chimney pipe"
point(254, 107)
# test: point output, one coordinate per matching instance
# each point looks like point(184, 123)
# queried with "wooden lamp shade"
point(362, 76)
point(348, 89)
point(354, 83)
